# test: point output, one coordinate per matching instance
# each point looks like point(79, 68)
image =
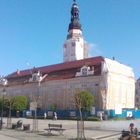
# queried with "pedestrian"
point(101, 116)
point(133, 130)
point(17, 114)
point(45, 115)
point(55, 116)
point(132, 135)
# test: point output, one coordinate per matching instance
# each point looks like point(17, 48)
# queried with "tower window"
point(65, 46)
point(73, 44)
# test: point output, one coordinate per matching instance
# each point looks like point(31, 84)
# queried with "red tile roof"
point(58, 67)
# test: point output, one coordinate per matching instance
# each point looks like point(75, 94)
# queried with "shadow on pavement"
point(48, 134)
point(80, 139)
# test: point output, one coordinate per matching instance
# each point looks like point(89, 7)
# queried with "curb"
point(106, 136)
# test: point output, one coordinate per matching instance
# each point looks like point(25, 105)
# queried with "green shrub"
point(92, 118)
point(117, 118)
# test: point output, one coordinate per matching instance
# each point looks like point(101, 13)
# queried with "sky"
point(32, 32)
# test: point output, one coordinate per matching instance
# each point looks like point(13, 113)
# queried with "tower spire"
point(75, 22)
point(75, 48)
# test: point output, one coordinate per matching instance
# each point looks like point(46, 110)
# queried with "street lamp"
point(36, 77)
point(3, 82)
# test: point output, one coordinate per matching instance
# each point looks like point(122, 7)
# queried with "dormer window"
point(84, 71)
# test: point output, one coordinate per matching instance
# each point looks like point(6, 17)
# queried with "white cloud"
point(94, 50)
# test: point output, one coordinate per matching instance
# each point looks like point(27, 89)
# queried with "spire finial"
point(75, 23)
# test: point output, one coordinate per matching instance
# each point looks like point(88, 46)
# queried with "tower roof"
point(75, 22)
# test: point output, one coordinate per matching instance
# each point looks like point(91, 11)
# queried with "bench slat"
point(55, 127)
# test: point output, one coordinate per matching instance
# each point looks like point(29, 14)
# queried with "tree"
point(0, 103)
point(20, 103)
point(53, 106)
point(8, 102)
point(84, 100)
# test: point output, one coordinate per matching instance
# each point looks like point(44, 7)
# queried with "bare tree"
point(9, 101)
point(83, 102)
point(80, 123)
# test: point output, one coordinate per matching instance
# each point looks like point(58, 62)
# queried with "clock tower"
point(75, 48)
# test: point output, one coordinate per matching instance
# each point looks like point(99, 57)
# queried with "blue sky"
point(32, 32)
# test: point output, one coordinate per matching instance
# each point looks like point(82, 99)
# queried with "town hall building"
point(112, 83)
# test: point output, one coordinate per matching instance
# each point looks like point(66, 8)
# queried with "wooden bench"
point(125, 135)
point(55, 127)
point(26, 127)
point(17, 125)
point(14, 125)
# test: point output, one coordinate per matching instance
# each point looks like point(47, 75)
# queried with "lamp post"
point(3, 82)
point(36, 77)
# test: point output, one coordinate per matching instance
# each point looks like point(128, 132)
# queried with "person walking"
point(55, 116)
point(45, 115)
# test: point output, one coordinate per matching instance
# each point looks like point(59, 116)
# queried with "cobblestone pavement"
point(20, 135)
point(3, 137)
point(105, 130)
